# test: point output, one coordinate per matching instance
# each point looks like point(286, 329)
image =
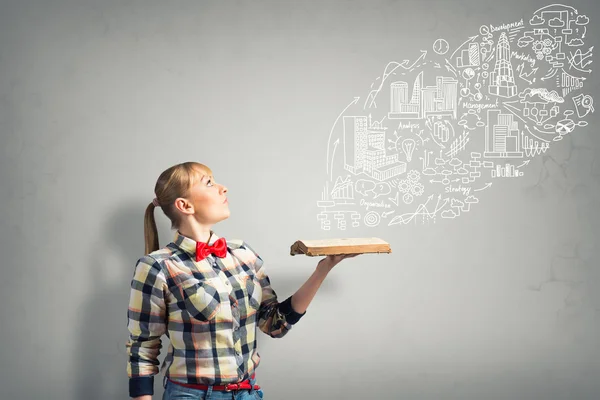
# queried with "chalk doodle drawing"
point(430, 134)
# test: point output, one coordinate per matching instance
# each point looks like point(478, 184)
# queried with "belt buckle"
point(227, 389)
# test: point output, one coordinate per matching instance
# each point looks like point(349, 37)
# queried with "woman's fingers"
point(336, 258)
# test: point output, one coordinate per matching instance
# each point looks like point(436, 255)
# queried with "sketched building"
point(441, 99)
point(438, 100)
point(501, 136)
point(364, 150)
point(355, 143)
point(399, 96)
point(502, 80)
point(400, 107)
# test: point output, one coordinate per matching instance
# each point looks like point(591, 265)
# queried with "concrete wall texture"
point(500, 302)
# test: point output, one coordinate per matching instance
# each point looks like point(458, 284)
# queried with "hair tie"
point(155, 202)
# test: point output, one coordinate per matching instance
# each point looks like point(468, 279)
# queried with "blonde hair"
point(172, 183)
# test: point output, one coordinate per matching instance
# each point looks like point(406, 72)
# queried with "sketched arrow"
point(487, 185)
point(525, 163)
point(421, 57)
point(470, 39)
point(552, 71)
point(438, 201)
point(442, 206)
point(333, 127)
point(523, 75)
point(386, 74)
point(450, 67)
point(335, 145)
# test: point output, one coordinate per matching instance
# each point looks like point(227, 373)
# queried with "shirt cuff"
point(141, 385)
point(291, 316)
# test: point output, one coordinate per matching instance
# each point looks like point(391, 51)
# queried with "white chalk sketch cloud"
point(433, 131)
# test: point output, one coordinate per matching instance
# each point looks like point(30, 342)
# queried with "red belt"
point(227, 388)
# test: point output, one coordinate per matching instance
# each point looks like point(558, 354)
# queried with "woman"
point(207, 294)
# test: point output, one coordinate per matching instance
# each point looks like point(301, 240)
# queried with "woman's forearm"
point(303, 296)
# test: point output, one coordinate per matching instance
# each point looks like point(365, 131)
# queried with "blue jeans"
point(178, 392)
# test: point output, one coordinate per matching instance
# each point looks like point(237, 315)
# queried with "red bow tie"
point(219, 249)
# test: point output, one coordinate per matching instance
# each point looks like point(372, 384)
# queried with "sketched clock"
point(431, 133)
point(441, 47)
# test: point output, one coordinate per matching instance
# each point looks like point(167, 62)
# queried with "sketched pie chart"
point(468, 73)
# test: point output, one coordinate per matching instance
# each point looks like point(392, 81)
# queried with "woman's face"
point(209, 200)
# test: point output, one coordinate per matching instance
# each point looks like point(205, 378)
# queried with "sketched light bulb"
point(408, 146)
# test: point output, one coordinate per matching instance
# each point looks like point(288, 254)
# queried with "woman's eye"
point(209, 183)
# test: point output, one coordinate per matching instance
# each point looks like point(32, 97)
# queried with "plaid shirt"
point(209, 310)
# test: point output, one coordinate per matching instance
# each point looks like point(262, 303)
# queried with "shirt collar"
point(188, 244)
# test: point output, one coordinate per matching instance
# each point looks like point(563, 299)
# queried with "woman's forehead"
point(201, 172)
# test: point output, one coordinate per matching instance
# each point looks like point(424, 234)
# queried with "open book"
point(325, 247)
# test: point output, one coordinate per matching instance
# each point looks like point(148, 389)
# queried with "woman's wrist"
point(325, 265)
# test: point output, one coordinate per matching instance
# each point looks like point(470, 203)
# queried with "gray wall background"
point(97, 98)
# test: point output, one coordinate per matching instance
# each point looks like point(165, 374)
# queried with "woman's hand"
point(332, 260)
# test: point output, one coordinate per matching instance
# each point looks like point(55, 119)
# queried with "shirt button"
point(227, 283)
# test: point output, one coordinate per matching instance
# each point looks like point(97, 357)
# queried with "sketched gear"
point(404, 186)
point(417, 189)
point(538, 45)
point(414, 175)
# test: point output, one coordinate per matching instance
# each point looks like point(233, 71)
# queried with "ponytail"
point(150, 231)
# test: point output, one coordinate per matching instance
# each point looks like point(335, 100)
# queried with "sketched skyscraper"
point(399, 96)
point(502, 136)
point(502, 80)
point(400, 107)
point(354, 143)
